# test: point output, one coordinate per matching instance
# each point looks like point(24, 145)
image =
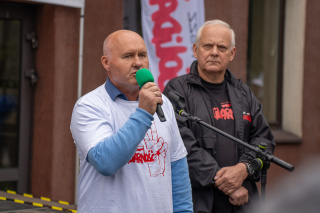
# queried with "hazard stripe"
point(27, 195)
point(18, 201)
point(45, 198)
point(37, 204)
point(11, 192)
point(56, 208)
point(63, 202)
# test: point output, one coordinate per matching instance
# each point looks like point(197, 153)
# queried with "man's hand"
point(239, 196)
point(149, 97)
point(229, 179)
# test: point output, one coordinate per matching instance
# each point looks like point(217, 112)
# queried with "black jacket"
point(201, 142)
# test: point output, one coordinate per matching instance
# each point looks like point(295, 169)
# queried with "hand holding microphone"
point(150, 95)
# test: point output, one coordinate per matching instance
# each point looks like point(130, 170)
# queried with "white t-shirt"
point(144, 183)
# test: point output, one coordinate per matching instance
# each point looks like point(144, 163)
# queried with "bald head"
point(116, 37)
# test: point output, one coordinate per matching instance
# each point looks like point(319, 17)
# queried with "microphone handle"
point(160, 113)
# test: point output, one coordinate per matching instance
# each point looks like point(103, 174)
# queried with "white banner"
point(169, 29)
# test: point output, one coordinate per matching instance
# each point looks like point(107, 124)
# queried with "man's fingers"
point(149, 97)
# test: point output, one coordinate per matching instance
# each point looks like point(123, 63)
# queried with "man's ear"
point(105, 62)
point(195, 49)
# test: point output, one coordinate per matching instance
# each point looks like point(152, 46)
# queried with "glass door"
point(16, 67)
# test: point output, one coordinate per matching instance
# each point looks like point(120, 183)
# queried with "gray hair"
point(216, 22)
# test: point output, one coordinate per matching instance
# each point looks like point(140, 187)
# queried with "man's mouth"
point(214, 62)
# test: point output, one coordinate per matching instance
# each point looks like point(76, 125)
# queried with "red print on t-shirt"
point(153, 151)
point(224, 113)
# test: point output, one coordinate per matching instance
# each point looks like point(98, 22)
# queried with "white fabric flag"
point(169, 29)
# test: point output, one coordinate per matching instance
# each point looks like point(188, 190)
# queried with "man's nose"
point(214, 50)
point(137, 61)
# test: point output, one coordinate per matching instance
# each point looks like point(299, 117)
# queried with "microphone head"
point(143, 76)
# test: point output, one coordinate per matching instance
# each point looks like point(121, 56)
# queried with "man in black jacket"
point(218, 167)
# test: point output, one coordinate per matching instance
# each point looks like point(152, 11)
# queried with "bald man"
point(130, 161)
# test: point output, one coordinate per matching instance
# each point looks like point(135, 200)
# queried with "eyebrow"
point(133, 52)
point(143, 52)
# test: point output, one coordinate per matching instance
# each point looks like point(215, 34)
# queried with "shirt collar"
point(113, 91)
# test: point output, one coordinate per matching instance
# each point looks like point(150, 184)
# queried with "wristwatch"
point(249, 169)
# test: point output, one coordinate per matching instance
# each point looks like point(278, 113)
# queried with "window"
point(265, 55)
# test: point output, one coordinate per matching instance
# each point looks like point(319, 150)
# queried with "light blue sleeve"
point(181, 186)
point(114, 152)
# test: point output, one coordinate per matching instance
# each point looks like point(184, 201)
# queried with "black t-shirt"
point(226, 148)
point(223, 120)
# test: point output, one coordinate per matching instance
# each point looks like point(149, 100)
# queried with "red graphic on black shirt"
point(225, 113)
point(153, 151)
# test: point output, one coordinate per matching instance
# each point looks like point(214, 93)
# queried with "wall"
point(53, 161)
point(236, 14)
point(101, 18)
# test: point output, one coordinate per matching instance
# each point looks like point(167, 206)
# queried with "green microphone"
point(144, 76)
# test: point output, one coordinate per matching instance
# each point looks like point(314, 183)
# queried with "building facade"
point(50, 56)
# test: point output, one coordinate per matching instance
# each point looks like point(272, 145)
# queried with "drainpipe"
point(79, 90)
